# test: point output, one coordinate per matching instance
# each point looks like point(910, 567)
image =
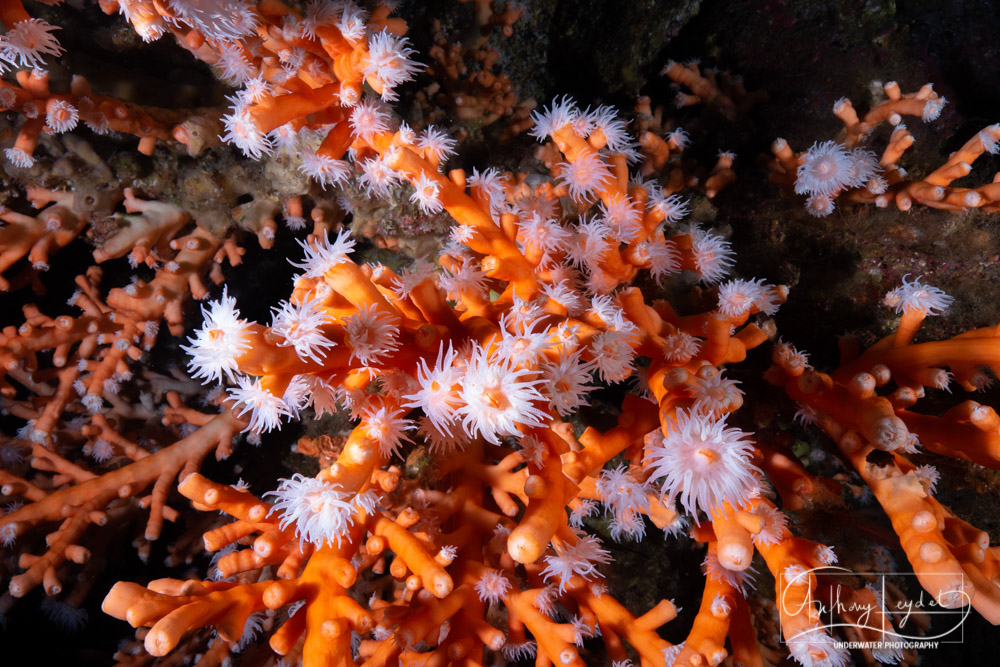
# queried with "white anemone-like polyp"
point(389, 63)
point(377, 179)
point(498, 399)
point(324, 169)
point(427, 194)
point(775, 524)
point(266, 409)
point(579, 559)
point(919, 297)
point(222, 338)
point(371, 334)
point(301, 326)
point(368, 119)
point(742, 580)
point(322, 513)
point(560, 113)
point(492, 586)
point(813, 647)
point(713, 256)
point(567, 382)
point(436, 145)
point(619, 490)
point(679, 348)
point(27, 42)
point(713, 393)
point(387, 428)
point(241, 130)
point(584, 175)
point(19, 158)
point(826, 168)
point(702, 462)
point(61, 116)
point(438, 395)
point(738, 296)
point(322, 254)
point(613, 355)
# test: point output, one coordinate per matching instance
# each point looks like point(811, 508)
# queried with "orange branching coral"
point(847, 171)
point(719, 90)
point(38, 236)
point(85, 501)
point(487, 374)
point(662, 148)
point(447, 524)
point(466, 79)
point(56, 113)
point(952, 558)
point(483, 372)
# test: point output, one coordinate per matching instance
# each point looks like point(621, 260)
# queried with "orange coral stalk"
point(544, 515)
point(706, 642)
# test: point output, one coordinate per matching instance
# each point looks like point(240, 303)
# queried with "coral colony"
point(476, 361)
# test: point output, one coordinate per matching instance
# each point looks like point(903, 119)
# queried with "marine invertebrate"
point(831, 171)
point(445, 523)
